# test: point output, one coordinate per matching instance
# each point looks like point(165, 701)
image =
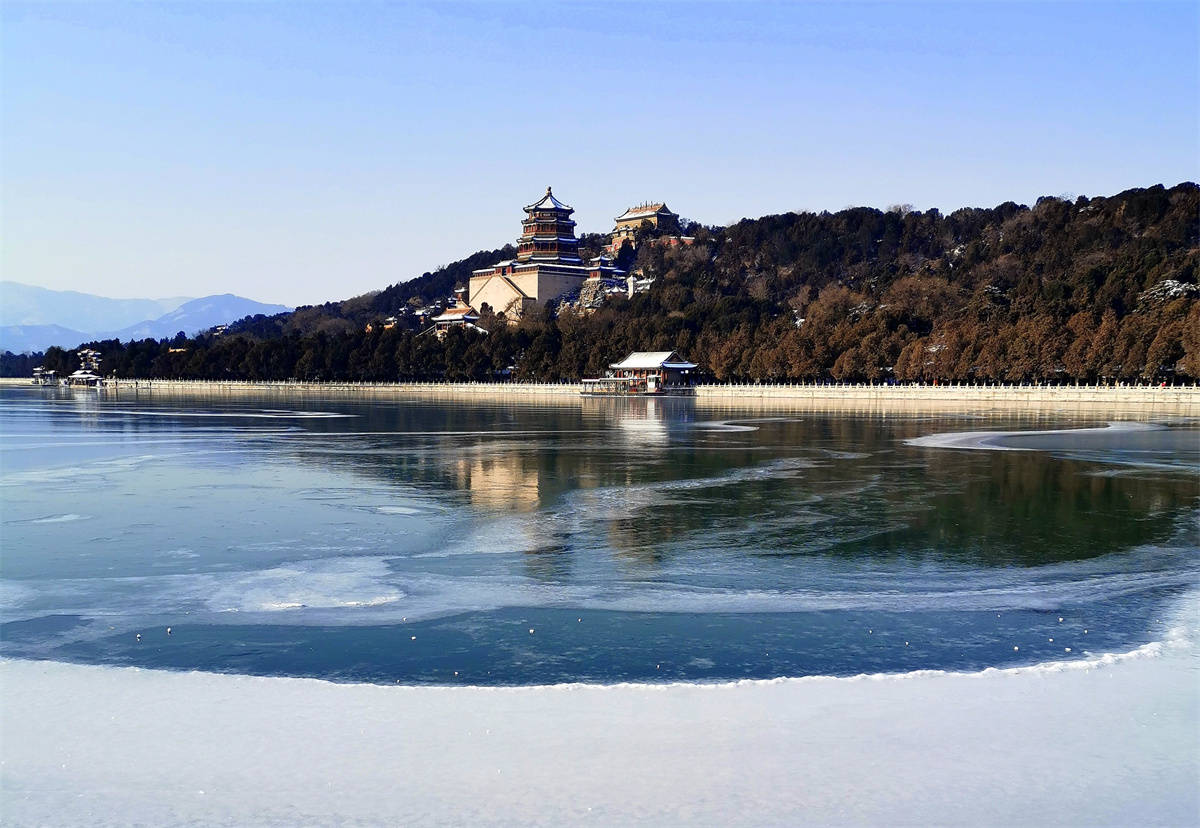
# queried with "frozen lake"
point(518, 542)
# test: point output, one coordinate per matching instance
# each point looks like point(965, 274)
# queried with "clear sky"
point(300, 152)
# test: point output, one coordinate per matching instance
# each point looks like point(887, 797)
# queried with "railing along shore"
point(1186, 395)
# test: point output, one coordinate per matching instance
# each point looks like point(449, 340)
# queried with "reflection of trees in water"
point(640, 477)
point(1030, 508)
point(550, 563)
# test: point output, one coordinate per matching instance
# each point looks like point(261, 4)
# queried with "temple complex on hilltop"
point(547, 264)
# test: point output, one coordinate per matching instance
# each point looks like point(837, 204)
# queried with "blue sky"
point(300, 152)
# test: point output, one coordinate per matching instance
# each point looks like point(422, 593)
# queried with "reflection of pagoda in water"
point(508, 481)
point(547, 264)
point(524, 479)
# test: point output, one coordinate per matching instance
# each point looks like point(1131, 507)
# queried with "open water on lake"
point(504, 541)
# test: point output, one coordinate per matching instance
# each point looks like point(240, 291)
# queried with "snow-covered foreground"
point(1108, 741)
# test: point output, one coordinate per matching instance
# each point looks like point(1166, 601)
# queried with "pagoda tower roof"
point(548, 202)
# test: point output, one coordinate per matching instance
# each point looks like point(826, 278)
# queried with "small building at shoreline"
point(89, 369)
point(644, 372)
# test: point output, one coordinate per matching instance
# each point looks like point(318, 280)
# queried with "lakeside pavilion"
point(645, 372)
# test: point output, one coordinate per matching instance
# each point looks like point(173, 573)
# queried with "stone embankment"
point(1123, 393)
point(1165, 399)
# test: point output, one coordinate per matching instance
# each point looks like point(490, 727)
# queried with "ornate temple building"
point(547, 264)
point(656, 214)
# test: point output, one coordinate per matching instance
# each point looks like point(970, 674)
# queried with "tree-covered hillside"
point(352, 315)
point(1091, 289)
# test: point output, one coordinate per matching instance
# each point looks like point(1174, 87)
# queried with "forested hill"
point(353, 314)
point(424, 290)
point(1084, 289)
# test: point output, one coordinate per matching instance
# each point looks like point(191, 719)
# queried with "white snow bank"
point(1110, 741)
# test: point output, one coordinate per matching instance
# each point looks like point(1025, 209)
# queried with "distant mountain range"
point(34, 318)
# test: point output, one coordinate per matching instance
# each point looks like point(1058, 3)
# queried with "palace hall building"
point(657, 214)
point(547, 264)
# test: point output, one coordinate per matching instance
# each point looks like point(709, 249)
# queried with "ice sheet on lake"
point(1018, 440)
point(368, 590)
point(349, 583)
point(67, 518)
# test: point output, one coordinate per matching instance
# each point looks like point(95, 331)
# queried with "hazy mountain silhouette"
point(34, 318)
point(22, 304)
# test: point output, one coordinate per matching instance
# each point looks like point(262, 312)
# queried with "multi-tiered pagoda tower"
point(547, 264)
point(548, 233)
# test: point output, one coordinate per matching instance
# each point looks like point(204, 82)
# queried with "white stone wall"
point(1169, 399)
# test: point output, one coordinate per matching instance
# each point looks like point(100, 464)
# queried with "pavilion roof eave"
point(567, 261)
point(639, 360)
point(573, 263)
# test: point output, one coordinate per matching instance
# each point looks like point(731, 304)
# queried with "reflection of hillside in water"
point(651, 481)
point(1030, 509)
